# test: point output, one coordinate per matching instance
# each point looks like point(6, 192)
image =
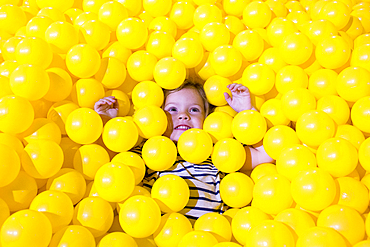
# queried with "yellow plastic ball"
point(290, 77)
point(272, 194)
point(257, 14)
point(84, 126)
point(323, 82)
point(313, 189)
point(159, 153)
point(83, 60)
point(37, 26)
point(279, 29)
point(160, 44)
point(216, 224)
point(352, 83)
point(293, 159)
point(140, 65)
point(296, 48)
point(120, 134)
point(337, 156)
point(218, 125)
point(195, 145)
point(351, 134)
point(262, 170)
point(246, 219)
point(61, 36)
point(214, 34)
point(86, 92)
point(134, 162)
point(336, 107)
point(272, 57)
point(140, 216)
point(360, 56)
point(171, 193)
point(206, 13)
point(12, 142)
point(117, 239)
point(352, 193)
point(234, 8)
point(4, 213)
point(172, 228)
point(25, 227)
point(147, 93)
point(9, 46)
point(151, 121)
point(189, 51)
point(95, 33)
point(116, 50)
point(270, 233)
point(34, 51)
point(321, 236)
point(73, 234)
point(69, 181)
point(359, 114)
point(112, 72)
point(261, 73)
point(345, 220)
point(215, 87)
point(249, 127)
point(20, 192)
point(42, 158)
point(29, 81)
point(182, 14)
point(363, 154)
point(336, 12)
point(163, 24)
point(228, 155)
point(55, 205)
point(12, 18)
point(273, 113)
point(60, 85)
point(114, 181)
point(157, 7)
point(95, 214)
point(226, 60)
point(320, 29)
point(41, 129)
point(92, 6)
point(277, 138)
point(59, 112)
point(249, 43)
point(297, 219)
point(16, 114)
point(198, 239)
point(10, 164)
point(89, 158)
point(112, 13)
point(297, 102)
point(84, 17)
point(236, 189)
point(332, 52)
point(132, 33)
point(169, 73)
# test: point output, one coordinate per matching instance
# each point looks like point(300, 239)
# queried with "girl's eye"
point(194, 110)
point(172, 109)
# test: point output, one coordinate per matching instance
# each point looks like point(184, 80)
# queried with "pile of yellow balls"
point(68, 178)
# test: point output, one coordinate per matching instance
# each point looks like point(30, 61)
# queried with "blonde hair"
point(191, 84)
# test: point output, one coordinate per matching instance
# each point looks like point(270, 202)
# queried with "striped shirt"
point(204, 185)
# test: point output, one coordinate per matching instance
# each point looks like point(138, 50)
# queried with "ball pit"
point(74, 178)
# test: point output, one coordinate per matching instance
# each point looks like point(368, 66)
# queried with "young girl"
point(187, 107)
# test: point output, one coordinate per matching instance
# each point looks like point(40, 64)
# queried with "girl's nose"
point(183, 116)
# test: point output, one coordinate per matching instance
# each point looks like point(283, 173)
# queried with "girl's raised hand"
point(240, 98)
point(107, 106)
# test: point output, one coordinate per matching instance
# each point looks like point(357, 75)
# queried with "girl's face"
point(187, 110)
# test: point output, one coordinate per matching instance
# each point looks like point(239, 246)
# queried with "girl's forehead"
point(189, 95)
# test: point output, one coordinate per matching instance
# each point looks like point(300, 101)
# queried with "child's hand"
point(240, 99)
point(107, 106)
